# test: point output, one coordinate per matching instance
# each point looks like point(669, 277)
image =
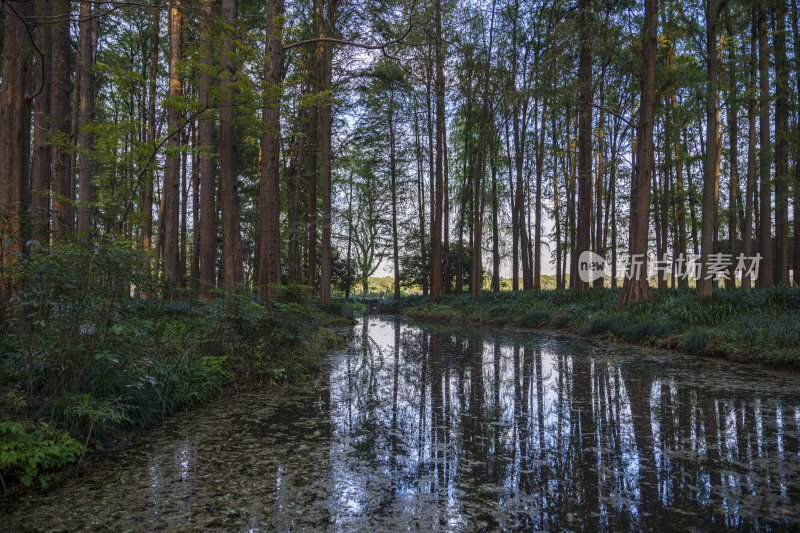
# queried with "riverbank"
point(756, 326)
point(85, 360)
point(157, 358)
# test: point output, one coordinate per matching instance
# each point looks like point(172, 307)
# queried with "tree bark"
point(751, 146)
point(635, 287)
point(709, 168)
point(40, 169)
point(59, 119)
point(765, 230)
point(269, 200)
point(170, 191)
point(86, 87)
point(584, 141)
point(14, 115)
point(436, 254)
point(782, 177)
point(326, 64)
point(207, 232)
point(232, 265)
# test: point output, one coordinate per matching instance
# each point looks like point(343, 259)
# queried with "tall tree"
point(782, 177)
point(41, 154)
point(765, 226)
point(15, 116)
point(170, 191)
point(584, 139)
point(232, 266)
point(60, 80)
point(436, 253)
point(86, 86)
point(635, 286)
point(207, 230)
point(269, 192)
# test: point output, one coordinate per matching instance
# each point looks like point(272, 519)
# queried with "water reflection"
point(524, 431)
point(425, 428)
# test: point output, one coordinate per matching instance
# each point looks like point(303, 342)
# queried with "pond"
point(453, 428)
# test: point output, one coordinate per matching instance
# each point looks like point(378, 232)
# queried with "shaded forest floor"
point(757, 326)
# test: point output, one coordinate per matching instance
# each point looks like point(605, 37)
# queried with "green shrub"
point(29, 450)
point(695, 340)
point(534, 318)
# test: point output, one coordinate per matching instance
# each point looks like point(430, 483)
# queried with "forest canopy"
point(448, 144)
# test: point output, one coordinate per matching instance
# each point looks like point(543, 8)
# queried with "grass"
point(758, 325)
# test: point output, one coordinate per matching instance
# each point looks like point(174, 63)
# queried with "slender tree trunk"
point(149, 180)
point(537, 225)
point(232, 265)
point(207, 234)
point(86, 84)
point(765, 230)
point(269, 270)
point(436, 255)
point(733, 128)
point(170, 192)
point(704, 283)
point(584, 140)
point(782, 177)
point(495, 222)
point(421, 207)
point(393, 175)
point(751, 146)
point(40, 169)
point(59, 118)
point(635, 286)
point(327, 154)
point(293, 211)
point(15, 116)
point(796, 184)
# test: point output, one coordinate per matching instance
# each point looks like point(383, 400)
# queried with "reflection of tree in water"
point(524, 431)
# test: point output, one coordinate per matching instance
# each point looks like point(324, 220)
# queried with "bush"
point(695, 340)
point(29, 450)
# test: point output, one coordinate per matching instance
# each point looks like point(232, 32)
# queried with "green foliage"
point(344, 307)
point(87, 352)
point(760, 324)
point(29, 450)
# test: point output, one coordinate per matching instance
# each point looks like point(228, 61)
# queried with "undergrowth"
point(90, 348)
point(761, 325)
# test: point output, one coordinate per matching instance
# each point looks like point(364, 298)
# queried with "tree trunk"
point(751, 146)
point(782, 177)
point(269, 270)
point(232, 266)
point(584, 141)
point(86, 85)
point(59, 118)
point(40, 169)
point(149, 180)
point(765, 230)
point(495, 222)
point(172, 168)
point(436, 254)
point(393, 175)
point(15, 116)
point(733, 128)
point(704, 283)
point(635, 286)
point(326, 64)
point(208, 211)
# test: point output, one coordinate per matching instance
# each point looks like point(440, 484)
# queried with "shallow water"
point(432, 428)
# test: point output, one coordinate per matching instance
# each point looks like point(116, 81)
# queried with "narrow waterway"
point(448, 428)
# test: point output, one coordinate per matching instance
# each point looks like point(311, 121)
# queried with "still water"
point(442, 428)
